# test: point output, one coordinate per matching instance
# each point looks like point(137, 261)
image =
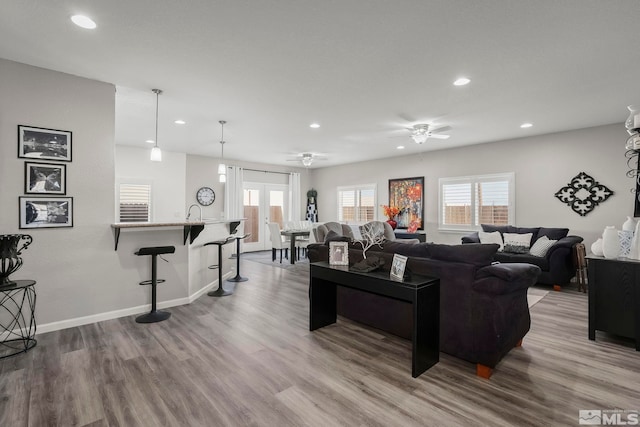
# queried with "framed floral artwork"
point(407, 194)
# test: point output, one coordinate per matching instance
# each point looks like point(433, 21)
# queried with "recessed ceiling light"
point(461, 81)
point(314, 125)
point(84, 22)
point(526, 125)
point(150, 141)
point(180, 122)
point(400, 147)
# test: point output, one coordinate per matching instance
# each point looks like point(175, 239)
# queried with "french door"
point(263, 203)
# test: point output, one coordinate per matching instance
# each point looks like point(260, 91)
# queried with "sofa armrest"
point(500, 279)
point(471, 238)
point(565, 242)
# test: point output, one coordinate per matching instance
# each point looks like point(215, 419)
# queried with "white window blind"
point(467, 202)
point(357, 203)
point(134, 202)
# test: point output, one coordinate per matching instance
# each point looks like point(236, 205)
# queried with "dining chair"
point(277, 242)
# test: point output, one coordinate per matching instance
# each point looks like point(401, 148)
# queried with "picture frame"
point(44, 144)
point(45, 212)
point(407, 194)
point(398, 266)
point(45, 178)
point(338, 253)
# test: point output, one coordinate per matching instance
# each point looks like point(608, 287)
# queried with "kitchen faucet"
point(189, 212)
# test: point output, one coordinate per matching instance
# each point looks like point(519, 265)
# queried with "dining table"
point(292, 234)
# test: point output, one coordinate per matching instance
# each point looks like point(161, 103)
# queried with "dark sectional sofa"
point(557, 266)
point(483, 308)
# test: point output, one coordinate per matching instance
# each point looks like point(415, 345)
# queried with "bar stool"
point(239, 278)
point(221, 291)
point(154, 315)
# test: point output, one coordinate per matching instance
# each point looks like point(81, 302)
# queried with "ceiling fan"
point(307, 158)
point(421, 132)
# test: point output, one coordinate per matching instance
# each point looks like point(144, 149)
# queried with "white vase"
point(610, 242)
point(596, 247)
point(629, 224)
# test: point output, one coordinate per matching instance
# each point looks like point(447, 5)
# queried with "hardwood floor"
point(249, 359)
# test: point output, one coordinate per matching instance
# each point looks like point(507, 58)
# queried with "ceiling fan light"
point(307, 161)
point(420, 138)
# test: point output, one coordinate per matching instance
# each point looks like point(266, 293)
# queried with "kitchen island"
point(186, 273)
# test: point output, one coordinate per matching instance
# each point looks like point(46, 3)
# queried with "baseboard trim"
point(109, 315)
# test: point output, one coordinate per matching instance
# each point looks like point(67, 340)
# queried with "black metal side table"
point(17, 328)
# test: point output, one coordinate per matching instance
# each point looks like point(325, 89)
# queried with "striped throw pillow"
point(541, 246)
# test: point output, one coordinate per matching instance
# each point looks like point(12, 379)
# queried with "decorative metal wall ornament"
point(583, 194)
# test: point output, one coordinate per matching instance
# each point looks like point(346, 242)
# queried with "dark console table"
point(421, 291)
point(422, 237)
point(614, 297)
point(17, 325)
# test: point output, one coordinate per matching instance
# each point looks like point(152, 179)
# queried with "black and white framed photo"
point(338, 253)
point(45, 144)
point(45, 178)
point(46, 212)
point(398, 266)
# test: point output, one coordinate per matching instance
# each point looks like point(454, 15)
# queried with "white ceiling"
point(363, 69)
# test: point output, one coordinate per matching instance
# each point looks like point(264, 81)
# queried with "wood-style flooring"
point(249, 359)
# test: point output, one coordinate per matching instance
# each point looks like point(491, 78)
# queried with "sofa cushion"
point(517, 243)
point(418, 250)
point(332, 236)
point(491, 237)
point(553, 233)
point(541, 262)
point(501, 228)
point(541, 246)
point(477, 254)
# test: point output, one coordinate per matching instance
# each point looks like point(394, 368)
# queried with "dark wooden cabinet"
point(614, 297)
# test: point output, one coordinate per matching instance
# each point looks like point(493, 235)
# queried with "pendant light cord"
point(157, 92)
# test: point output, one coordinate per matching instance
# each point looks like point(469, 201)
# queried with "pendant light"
point(222, 168)
point(156, 153)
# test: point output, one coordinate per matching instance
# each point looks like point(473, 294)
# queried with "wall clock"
point(206, 196)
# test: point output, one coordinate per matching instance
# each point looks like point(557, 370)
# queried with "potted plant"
point(311, 195)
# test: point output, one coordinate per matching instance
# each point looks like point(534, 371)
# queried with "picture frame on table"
point(45, 212)
point(45, 178)
point(398, 266)
point(338, 253)
point(407, 194)
point(44, 144)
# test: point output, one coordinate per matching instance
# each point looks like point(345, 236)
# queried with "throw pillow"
point(517, 243)
point(542, 246)
point(493, 237)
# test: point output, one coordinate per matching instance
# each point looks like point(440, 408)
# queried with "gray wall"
point(542, 165)
point(76, 268)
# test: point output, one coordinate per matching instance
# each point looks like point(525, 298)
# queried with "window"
point(134, 202)
point(466, 202)
point(357, 203)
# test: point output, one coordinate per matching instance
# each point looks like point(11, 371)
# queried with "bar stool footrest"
point(150, 282)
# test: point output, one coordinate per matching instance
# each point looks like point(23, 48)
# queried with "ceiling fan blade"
point(441, 129)
point(438, 136)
